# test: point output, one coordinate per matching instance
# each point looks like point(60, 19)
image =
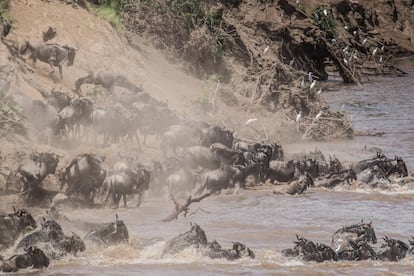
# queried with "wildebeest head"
point(393, 250)
point(242, 250)
point(197, 235)
point(73, 244)
point(37, 258)
point(71, 55)
point(25, 219)
point(52, 229)
point(401, 167)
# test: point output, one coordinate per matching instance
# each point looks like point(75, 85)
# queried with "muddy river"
point(268, 223)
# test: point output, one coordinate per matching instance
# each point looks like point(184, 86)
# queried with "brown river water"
point(268, 223)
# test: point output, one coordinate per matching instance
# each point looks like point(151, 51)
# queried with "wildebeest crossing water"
point(266, 223)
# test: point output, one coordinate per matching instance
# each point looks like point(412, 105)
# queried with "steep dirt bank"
point(246, 70)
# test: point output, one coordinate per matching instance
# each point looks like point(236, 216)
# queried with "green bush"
point(11, 117)
point(324, 22)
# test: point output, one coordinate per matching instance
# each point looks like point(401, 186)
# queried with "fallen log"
point(183, 207)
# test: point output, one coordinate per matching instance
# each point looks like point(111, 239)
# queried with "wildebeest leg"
point(124, 198)
point(139, 199)
point(117, 198)
point(60, 72)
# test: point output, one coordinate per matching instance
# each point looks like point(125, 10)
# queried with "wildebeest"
point(13, 225)
point(181, 182)
point(72, 116)
point(33, 257)
point(83, 175)
point(392, 250)
point(115, 123)
point(51, 239)
point(199, 156)
point(52, 54)
point(106, 79)
point(216, 180)
point(310, 251)
point(178, 136)
point(227, 155)
point(194, 237)
point(335, 179)
point(283, 171)
point(109, 234)
point(238, 251)
point(129, 182)
point(301, 185)
point(58, 100)
point(50, 231)
point(216, 134)
point(33, 171)
point(346, 239)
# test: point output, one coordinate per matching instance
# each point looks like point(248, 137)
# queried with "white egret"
point(346, 27)
point(266, 50)
point(364, 41)
point(312, 85)
point(318, 115)
point(319, 92)
point(380, 60)
point(298, 117)
point(291, 62)
point(374, 51)
point(333, 40)
point(345, 49)
point(302, 83)
point(355, 33)
point(382, 48)
point(345, 61)
point(251, 120)
point(316, 16)
point(325, 12)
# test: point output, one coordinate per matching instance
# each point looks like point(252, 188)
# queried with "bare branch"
point(179, 207)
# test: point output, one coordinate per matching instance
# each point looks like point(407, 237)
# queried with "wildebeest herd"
point(351, 243)
point(199, 160)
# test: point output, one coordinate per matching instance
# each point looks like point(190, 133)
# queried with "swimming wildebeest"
point(125, 183)
point(197, 237)
point(13, 225)
point(109, 234)
point(345, 241)
point(51, 239)
point(238, 251)
point(33, 257)
point(52, 54)
point(194, 237)
point(50, 231)
point(392, 250)
point(310, 251)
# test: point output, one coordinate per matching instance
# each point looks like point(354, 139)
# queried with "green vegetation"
point(111, 11)
point(322, 17)
point(194, 14)
point(4, 14)
point(204, 101)
point(11, 117)
point(96, 92)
